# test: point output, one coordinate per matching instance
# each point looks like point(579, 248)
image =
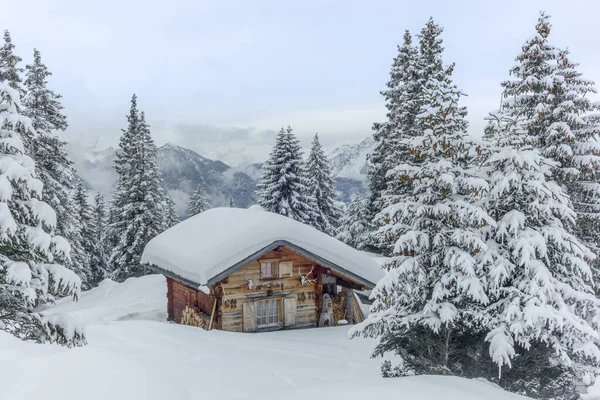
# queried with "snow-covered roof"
point(207, 247)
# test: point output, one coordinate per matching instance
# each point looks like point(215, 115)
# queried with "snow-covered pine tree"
point(551, 100)
point(578, 119)
point(198, 202)
point(546, 139)
point(322, 189)
point(120, 210)
point(41, 104)
point(354, 223)
point(28, 275)
point(9, 70)
point(171, 215)
point(283, 186)
point(543, 318)
point(92, 248)
point(231, 203)
point(136, 215)
point(403, 97)
point(99, 225)
point(425, 305)
point(53, 166)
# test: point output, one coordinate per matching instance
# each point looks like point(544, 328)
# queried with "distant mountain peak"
point(350, 160)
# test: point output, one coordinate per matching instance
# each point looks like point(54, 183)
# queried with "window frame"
point(290, 273)
point(271, 314)
point(274, 271)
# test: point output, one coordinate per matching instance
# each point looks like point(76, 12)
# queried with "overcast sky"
point(221, 76)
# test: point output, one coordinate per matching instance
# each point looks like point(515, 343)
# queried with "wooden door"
point(249, 315)
point(289, 311)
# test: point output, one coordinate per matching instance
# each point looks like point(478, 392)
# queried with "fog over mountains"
point(183, 169)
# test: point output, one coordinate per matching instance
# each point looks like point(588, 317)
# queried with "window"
point(267, 313)
point(285, 269)
point(267, 269)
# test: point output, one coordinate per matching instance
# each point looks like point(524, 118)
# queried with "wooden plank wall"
point(235, 290)
point(180, 295)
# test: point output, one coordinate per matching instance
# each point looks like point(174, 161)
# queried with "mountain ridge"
point(182, 169)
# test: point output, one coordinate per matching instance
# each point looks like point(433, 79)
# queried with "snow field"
point(132, 353)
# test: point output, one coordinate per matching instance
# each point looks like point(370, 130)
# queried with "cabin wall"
point(179, 296)
point(236, 290)
point(246, 286)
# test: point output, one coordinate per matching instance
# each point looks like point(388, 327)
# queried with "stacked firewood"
point(194, 317)
point(339, 307)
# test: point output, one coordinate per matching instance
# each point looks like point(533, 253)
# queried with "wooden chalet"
point(251, 270)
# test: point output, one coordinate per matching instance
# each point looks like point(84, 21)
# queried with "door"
point(249, 315)
point(289, 312)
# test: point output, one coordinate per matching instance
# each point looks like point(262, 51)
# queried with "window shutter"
point(285, 269)
point(249, 315)
point(289, 315)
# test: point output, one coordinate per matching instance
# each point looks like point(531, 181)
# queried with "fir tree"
point(53, 166)
point(99, 225)
point(322, 189)
point(541, 288)
point(171, 216)
point(136, 212)
point(550, 99)
point(9, 70)
point(547, 138)
point(29, 276)
point(231, 203)
point(91, 246)
point(403, 97)
point(41, 104)
point(354, 223)
point(283, 187)
point(424, 307)
point(198, 202)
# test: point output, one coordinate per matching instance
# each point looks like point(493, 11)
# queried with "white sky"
point(221, 76)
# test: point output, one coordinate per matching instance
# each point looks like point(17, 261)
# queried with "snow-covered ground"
point(134, 354)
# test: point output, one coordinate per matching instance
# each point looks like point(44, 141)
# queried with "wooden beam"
point(212, 315)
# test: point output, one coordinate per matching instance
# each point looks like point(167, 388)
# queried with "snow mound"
point(31, 371)
point(136, 298)
point(206, 245)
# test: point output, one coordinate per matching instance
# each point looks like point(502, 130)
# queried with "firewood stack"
point(194, 317)
point(339, 307)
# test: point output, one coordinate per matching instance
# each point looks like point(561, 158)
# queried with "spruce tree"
point(91, 246)
point(136, 211)
point(41, 104)
point(231, 203)
point(29, 276)
point(171, 216)
point(546, 137)
point(403, 98)
point(541, 288)
point(578, 119)
point(198, 202)
point(284, 187)
point(53, 165)
point(551, 100)
point(354, 223)
point(424, 307)
point(99, 226)
point(322, 189)
point(9, 70)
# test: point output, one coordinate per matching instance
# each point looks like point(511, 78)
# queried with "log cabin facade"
point(280, 286)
